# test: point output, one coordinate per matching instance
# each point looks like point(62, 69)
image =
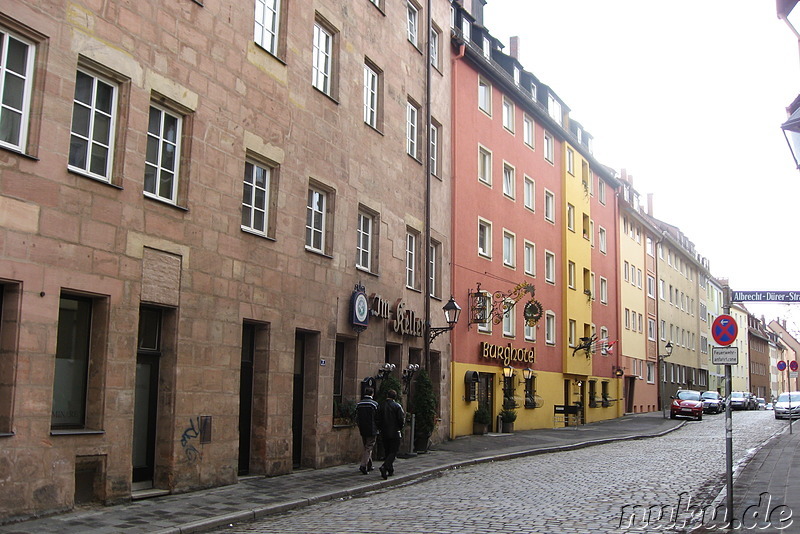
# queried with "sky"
point(688, 96)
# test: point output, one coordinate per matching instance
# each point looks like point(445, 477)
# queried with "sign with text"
point(765, 296)
point(725, 355)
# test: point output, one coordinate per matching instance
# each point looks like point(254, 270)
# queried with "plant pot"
point(508, 428)
point(480, 428)
point(421, 443)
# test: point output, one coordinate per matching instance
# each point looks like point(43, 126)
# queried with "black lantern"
point(452, 311)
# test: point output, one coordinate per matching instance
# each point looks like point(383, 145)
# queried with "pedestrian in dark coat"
point(391, 419)
point(366, 413)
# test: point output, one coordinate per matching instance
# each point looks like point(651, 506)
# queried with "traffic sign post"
point(724, 330)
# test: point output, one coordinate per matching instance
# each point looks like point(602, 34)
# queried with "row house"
point(758, 341)
point(534, 217)
point(788, 351)
point(208, 245)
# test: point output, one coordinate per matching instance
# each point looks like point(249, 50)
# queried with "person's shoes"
point(370, 468)
point(384, 473)
point(362, 469)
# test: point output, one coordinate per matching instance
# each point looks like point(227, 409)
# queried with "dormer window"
point(487, 48)
point(516, 75)
point(465, 28)
point(554, 110)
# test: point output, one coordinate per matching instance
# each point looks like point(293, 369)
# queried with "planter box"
point(480, 428)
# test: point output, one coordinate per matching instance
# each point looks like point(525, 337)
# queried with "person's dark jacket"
point(366, 411)
point(391, 419)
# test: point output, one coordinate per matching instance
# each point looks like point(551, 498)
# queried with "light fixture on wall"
point(385, 370)
point(452, 311)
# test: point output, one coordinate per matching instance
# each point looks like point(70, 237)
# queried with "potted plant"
point(481, 420)
point(424, 409)
point(344, 413)
point(508, 417)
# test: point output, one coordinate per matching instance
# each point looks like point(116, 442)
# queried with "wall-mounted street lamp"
point(662, 369)
point(452, 311)
point(384, 370)
point(508, 388)
point(408, 374)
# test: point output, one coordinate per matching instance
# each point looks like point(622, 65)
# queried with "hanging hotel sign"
point(359, 309)
point(486, 306)
point(507, 354)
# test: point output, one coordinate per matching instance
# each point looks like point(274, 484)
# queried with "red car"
point(686, 402)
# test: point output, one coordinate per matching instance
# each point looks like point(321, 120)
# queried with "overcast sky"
point(688, 96)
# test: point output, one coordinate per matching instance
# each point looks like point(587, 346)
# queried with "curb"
point(206, 524)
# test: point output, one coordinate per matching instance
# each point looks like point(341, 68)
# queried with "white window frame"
point(484, 238)
point(572, 333)
point(509, 249)
point(570, 161)
point(89, 140)
point(23, 109)
point(603, 290)
point(549, 267)
point(485, 96)
point(603, 239)
point(601, 191)
point(484, 165)
point(528, 131)
point(509, 319)
point(316, 219)
point(435, 40)
point(365, 236)
point(550, 328)
point(412, 129)
point(571, 274)
point(411, 259)
point(155, 160)
point(267, 24)
point(486, 326)
point(322, 59)
point(434, 139)
point(529, 193)
point(412, 23)
point(509, 180)
point(508, 114)
point(530, 258)
point(371, 94)
point(549, 206)
point(549, 147)
point(570, 217)
point(257, 178)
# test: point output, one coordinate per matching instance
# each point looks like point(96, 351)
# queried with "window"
point(316, 223)
point(508, 115)
point(413, 23)
point(571, 217)
point(549, 147)
point(91, 145)
point(484, 96)
point(651, 329)
point(509, 179)
point(484, 165)
point(256, 197)
point(16, 82)
point(626, 267)
point(528, 131)
point(571, 161)
point(435, 274)
point(322, 66)
point(10, 294)
point(485, 238)
point(77, 381)
point(601, 191)
point(435, 40)
point(266, 24)
point(529, 193)
point(412, 240)
point(365, 240)
point(466, 28)
point(603, 290)
point(163, 154)
point(486, 47)
point(651, 372)
point(661, 289)
point(572, 333)
point(627, 319)
point(549, 267)
point(412, 129)
point(485, 304)
point(641, 323)
point(550, 328)
point(554, 110)
point(434, 149)
point(529, 332)
point(571, 274)
point(651, 287)
point(509, 319)
point(530, 258)
point(549, 206)
point(371, 95)
point(509, 249)
point(603, 239)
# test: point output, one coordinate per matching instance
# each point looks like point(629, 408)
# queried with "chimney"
point(514, 47)
point(650, 204)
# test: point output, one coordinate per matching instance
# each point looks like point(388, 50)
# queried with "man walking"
point(366, 411)
point(391, 419)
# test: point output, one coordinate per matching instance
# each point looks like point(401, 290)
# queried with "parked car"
point(762, 403)
point(769, 406)
point(738, 400)
point(686, 402)
point(712, 402)
point(787, 405)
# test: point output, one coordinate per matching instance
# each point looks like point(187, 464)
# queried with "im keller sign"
point(765, 296)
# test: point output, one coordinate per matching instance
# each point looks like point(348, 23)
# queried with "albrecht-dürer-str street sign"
point(765, 296)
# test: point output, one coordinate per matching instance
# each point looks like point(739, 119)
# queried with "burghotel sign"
point(507, 354)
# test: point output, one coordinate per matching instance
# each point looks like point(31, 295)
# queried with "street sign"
point(765, 296)
point(725, 355)
point(792, 374)
point(724, 330)
point(793, 365)
point(781, 365)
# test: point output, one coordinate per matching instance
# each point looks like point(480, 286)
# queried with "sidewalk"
point(256, 497)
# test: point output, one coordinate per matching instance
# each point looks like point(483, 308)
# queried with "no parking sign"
point(724, 330)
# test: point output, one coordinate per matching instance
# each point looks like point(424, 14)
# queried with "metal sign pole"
point(726, 306)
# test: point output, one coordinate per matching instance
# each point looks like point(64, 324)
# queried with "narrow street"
point(581, 491)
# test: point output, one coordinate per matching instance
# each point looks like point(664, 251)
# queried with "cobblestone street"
point(581, 491)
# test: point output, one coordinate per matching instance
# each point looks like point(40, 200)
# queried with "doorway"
point(246, 397)
point(145, 408)
point(297, 399)
point(486, 395)
point(630, 383)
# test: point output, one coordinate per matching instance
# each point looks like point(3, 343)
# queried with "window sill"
point(318, 252)
point(19, 152)
point(76, 432)
point(256, 233)
point(7, 434)
point(88, 176)
point(164, 201)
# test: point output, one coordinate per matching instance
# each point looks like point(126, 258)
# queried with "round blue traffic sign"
point(781, 365)
point(724, 330)
point(793, 365)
